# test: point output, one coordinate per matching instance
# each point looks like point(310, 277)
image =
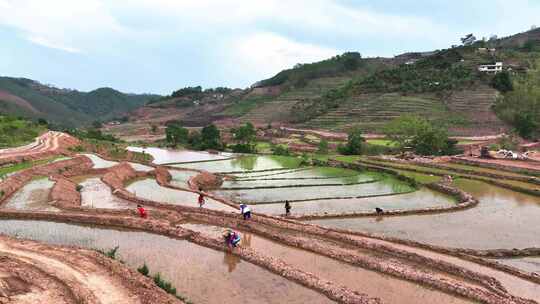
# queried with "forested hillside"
point(29, 98)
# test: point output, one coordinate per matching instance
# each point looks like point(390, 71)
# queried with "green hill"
point(348, 91)
point(29, 98)
point(17, 132)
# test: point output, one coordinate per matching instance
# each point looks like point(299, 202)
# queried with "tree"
point(245, 134)
point(323, 147)
point(521, 108)
point(210, 138)
point(417, 133)
point(502, 82)
point(97, 124)
point(42, 121)
point(176, 134)
point(355, 142)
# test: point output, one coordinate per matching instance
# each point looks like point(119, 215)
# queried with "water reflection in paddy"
point(246, 163)
point(527, 264)
point(163, 156)
point(389, 289)
point(181, 178)
point(383, 187)
point(33, 196)
point(202, 275)
point(150, 189)
point(100, 163)
point(514, 216)
point(423, 198)
point(96, 194)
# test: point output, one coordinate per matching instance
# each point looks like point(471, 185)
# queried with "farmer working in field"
point(287, 208)
point(232, 238)
point(201, 198)
point(245, 211)
point(142, 211)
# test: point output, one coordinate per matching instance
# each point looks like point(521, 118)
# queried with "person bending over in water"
point(287, 208)
point(379, 211)
point(142, 211)
point(246, 211)
point(232, 238)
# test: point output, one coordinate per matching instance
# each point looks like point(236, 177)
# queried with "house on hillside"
point(491, 68)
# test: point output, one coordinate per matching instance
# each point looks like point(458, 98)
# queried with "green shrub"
point(79, 188)
point(280, 150)
point(143, 270)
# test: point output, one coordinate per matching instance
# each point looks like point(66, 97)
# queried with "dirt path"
point(31, 272)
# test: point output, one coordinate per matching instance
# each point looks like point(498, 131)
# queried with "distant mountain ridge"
point(65, 107)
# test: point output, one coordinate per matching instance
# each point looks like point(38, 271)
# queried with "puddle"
point(201, 274)
point(527, 264)
point(246, 163)
point(181, 178)
point(382, 187)
point(163, 156)
point(389, 289)
point(423, 198)
point(513, 215)
point(149, 189)
point(100, 163)
point(96, 194)
point(33, 196)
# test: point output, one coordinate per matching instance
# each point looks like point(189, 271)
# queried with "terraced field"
point(330, 259)
point(371, 111)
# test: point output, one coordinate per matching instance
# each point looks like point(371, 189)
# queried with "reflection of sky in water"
point(246, 163)
point(502, 219)
point(163, 156)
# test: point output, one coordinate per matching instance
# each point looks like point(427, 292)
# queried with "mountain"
point(72, 108)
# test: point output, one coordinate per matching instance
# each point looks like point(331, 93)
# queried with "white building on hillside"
point(491, 68)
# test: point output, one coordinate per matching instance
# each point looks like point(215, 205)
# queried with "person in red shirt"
point(142, 211)
point(201, 198)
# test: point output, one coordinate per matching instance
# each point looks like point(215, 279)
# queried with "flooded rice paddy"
point(163, 156)
point(246, 163)
point(198, 273)
point(100, 163)
point(96, 194)
point(527, 264)
point(181, 178)
point(33, 196)
point(423, 198)
point(389, 289)
point(149, 189)
point(386, 186)
point(502, 219)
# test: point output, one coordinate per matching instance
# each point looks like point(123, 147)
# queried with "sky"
point(157, 46)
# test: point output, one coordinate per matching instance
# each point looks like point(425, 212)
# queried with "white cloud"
point(265, 54)
point(46, 43)
point(61, 24)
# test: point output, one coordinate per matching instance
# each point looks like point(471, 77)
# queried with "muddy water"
point(96, 194)
point(502, 219)
point(33, 196)
point(162, 156)
point(246, 163)
point(150, 189)
point(202, 275)
point(180, 178)
point(423, 198)
point(100, 163)
point(382, 187)
point(388, 289)
point(528, 264)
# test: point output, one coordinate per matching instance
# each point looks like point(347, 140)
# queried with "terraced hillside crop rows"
point(372, 111)
point(279, 108)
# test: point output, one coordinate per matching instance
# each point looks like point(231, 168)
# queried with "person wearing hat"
point(245, 211)
point(232, 238)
